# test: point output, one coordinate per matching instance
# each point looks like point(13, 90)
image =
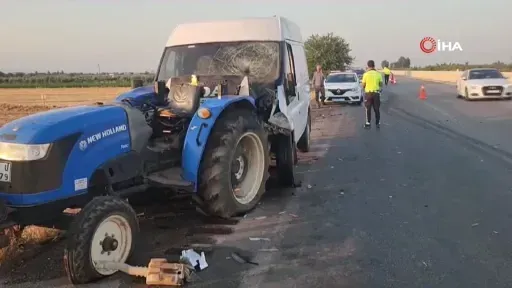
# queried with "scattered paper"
point(195, 259)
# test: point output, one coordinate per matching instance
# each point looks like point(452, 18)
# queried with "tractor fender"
point(199, 130)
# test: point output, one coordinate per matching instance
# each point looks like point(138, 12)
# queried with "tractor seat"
point(184, 100)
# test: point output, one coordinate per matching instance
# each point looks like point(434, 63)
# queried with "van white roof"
point(274, 28)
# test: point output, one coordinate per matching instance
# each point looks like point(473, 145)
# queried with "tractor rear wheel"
point(105, 230)
point(235, 165)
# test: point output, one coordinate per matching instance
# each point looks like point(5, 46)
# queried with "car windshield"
point(341, 78)
point(227, 58)
point(485, 74)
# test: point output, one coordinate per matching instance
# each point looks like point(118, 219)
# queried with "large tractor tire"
point(105, 230)
point(235, 164)
point(286, 159)
point(304, 143)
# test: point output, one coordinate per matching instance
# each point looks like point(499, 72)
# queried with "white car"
point(483, 83)
point(343, 87)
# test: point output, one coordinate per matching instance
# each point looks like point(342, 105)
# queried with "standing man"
point(387, 72)
point(318, 84)
point(372, 84)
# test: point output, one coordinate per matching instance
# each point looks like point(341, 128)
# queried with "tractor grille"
point(31, 177)
point(338, 92)
point(492, 90)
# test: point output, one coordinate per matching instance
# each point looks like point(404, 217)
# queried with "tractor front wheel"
point(105, 230)
point(235, 165)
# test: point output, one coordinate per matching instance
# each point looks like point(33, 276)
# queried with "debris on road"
point(158, 272)
point(309, 186)
point(196, 260)
point(242, 260)
point(475, 224)
point(260, 218)
point(269, 250)
point(258, 239)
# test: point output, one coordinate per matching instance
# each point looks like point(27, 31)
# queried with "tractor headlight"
point(23, 152)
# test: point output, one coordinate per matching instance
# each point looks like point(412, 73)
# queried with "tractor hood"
point(49, 126)
point(139, 95)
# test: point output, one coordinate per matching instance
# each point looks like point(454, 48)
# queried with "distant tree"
point(402, 63)
point(330, 51)
point(384, 63)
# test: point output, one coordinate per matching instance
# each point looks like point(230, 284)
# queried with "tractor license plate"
point(5, 171)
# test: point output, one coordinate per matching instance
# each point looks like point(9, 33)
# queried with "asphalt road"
point(422, 202)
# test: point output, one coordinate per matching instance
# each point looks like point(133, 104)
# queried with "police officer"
point(387, 72)
point(372, 84)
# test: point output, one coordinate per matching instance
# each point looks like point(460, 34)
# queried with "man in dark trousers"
point(318, 84)
point(372, 84)
point(386, 72)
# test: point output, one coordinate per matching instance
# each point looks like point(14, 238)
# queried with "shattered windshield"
point(227, 58)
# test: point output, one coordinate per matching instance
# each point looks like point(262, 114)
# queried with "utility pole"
point(99, 69)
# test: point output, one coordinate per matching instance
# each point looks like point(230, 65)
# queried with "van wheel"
point(285, 159)
point(305, 140)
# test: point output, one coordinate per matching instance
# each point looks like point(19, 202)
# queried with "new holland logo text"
point(98, 136)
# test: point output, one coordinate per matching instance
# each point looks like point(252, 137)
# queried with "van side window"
point(290, 74)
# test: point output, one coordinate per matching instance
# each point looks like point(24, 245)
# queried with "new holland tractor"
point(228, 96)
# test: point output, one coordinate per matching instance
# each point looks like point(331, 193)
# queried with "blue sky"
point(129, 35)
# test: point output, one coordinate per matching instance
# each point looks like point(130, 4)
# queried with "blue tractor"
point(217, 111)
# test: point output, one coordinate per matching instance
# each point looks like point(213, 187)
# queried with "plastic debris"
point(258, 239)
point(309, 186)
point(475, 224)
point(196, 260)
point(260, 218)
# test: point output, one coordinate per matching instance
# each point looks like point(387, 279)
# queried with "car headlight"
point(23, 152)
point(354, 89)
point(473, 87)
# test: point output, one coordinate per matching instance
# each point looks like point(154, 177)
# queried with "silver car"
point(483, 83)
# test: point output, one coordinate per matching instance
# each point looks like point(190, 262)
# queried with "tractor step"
point(169, 178)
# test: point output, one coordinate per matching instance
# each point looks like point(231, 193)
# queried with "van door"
point(294, 98)
point(302, 76)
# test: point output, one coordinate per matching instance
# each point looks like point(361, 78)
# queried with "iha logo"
point(429, 45)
